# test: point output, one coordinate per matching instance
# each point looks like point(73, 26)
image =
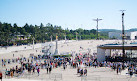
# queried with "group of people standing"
point(91, 62)
point(32, 64)
point(36, 63)
point(82, 71)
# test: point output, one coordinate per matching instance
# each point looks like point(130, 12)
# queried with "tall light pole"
point(33, 42)
point(97, 20)
point(123, 34)
point(65, 38)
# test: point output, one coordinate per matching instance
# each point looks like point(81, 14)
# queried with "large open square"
point(70, 73)
point(68, 40)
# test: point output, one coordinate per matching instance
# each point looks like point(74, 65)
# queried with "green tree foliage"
point(10, 35)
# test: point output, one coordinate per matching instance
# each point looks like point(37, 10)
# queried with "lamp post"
point(76, 36)
point(33, 42)
point(80, 37)
point(123, 35)
point(97, 20)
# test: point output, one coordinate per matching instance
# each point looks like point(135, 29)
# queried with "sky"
point(71, 14)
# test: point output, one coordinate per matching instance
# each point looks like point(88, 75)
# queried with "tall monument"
point(56, 50)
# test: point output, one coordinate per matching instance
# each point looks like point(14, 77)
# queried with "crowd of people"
point(33, 64)
point(82, 71)
point(89, 61)
point(80, 61)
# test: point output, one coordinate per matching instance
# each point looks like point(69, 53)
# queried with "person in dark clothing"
point(81, 72)
point(38, 70)
point(50, 68)
point(47, 69)
point(130, 72)
point(117, 68)
point(64, 66)
point(1, 75)
point(33, 69)
point(85, 72)
point(13, 70)
point(78, 70)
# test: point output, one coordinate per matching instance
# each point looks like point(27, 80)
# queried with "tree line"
point(15, 35)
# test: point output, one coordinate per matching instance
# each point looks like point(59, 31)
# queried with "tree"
point(9, 34)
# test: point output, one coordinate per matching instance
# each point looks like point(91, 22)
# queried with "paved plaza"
point(70, 73)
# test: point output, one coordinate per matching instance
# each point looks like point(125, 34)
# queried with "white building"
point(129, 35)
point(106, 50)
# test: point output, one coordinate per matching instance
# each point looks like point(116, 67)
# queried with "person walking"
point(78, 70)
point(85, 72)
point(33, 70)
point(1, 75)
point(117, 68)
point(81, 72)
point(50, 68)
point(47, 69)
point(11, 74)
point(131, 72)
point(38, 70)
point(64, 65)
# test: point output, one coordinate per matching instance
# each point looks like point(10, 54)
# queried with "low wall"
point(19, 48)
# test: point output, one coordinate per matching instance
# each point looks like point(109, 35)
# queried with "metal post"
point(80, 37)
point(123, 35)
point(65, 38)
point(131, 55)
point(97, 25)
point(97, 28)
point(33, 42)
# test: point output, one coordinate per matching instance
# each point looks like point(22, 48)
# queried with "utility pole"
point(97, 20)
point(123, 35)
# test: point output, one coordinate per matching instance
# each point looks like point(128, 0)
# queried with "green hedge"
point(68, 55)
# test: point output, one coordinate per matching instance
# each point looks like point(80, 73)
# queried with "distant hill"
point(115, 30)
point(131, 30)
point(108, 30)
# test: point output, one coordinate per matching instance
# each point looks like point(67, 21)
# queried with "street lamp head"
point(97, 19)
point(94, 19)
point(122, 11)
